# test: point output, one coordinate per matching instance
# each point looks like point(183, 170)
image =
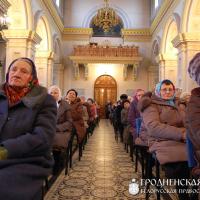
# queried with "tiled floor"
point(104, 171)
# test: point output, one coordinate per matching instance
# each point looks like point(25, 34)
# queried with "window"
point(58, 3)
point(155, 4)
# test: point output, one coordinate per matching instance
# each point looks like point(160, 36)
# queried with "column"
point(44, 63)
point(160, 60)
point(86, 74)
point(76, 71)
point(20, 43)
point(58, 75)
point(153, 76)
point(167, 67)
point(188, 44)
point(135, 71)
point(125, 75)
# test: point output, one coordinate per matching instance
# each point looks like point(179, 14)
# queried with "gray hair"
point(55, 87)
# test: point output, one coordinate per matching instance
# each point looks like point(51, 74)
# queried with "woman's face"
point(20, 74)
point(167, 91)
point(126, 105)
point(55, 93)
point(71, 96)
point(139, 94)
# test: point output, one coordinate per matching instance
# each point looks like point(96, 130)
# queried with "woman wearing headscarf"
point(27, 128)
point(63, 128)
point(193, 111)
point(164, 124)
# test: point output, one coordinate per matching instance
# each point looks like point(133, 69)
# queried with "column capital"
point(21, 34)
point(185, 39)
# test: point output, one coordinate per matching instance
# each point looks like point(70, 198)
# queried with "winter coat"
point(193, 122)
point(132, 115)
point(85, 116)
point(124, 121)
point(77, 117)
point(27, 130)
point(63, 126)
point(163, 125)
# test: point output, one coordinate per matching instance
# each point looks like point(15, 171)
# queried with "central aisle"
point(104, 172)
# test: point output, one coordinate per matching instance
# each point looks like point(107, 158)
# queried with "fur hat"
point(194, 68)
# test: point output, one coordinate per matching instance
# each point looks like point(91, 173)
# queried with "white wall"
point(135, 12)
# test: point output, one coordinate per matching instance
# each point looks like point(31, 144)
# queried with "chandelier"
point(4, 22)
point(106, 18)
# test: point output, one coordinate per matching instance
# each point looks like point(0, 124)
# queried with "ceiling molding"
point(77, 33)
point(136, 35)
point(53, 11)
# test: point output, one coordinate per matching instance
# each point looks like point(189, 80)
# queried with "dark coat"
point(193, 122)
point(63, 126)
point(124, 121)
point(132, 115)
point(163, 126)
point(27, 130)
point(77, 117)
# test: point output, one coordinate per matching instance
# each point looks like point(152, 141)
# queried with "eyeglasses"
point(167, 90)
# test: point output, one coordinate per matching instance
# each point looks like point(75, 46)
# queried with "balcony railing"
point(102, 51)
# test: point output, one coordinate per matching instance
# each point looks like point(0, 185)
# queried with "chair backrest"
point(190, 153)
point(138, 122)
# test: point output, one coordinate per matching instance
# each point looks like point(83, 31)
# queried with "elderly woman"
point(27, 129)
point(193, 111)
point(77, 114)
point(63, 128)
point(164, 124)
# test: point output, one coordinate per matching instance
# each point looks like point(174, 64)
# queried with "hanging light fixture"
point(106, 18)
point(4, 22)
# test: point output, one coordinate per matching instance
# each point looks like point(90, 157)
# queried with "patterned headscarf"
point(158, 94)
point(14, 93)
point(194, 68)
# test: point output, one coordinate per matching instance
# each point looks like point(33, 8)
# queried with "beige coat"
point(63, 126)
point(164, 125)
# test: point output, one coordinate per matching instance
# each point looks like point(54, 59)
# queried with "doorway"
point(105, 89)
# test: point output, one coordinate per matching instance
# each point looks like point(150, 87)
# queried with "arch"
point(20, 12)
point(190, 16)
point(124, 17)
point(177, 19)
point(170, 32)
point(43, 30)
point(105, 89)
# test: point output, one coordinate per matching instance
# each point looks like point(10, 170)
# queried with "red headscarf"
point(15, 93)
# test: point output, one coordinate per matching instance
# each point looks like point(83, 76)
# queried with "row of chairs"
point(148, 160)
point(72, 147)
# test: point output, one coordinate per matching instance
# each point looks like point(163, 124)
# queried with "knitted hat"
point(194, 68)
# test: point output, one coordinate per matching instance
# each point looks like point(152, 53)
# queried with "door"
point(105, 89)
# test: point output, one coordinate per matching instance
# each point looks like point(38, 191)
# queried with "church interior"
point(102, 49)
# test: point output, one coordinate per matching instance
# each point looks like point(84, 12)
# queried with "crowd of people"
point(168, 119)
point(36, 125)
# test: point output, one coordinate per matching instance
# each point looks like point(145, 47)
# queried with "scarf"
point(157, 93)
point(15, 94)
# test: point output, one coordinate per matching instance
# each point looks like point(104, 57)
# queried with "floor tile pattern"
point(104, 172)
